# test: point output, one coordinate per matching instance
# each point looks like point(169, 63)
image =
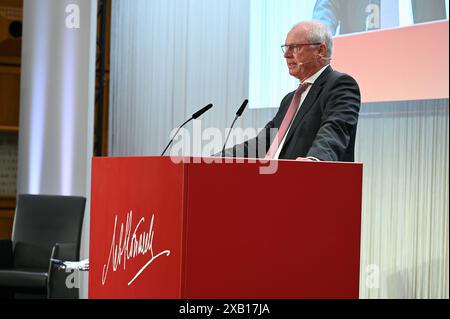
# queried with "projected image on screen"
point(271, 20)
point(349, 16)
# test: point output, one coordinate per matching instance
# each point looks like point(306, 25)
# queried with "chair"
point(45, 227)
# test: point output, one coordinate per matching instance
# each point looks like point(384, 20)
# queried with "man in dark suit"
point(318, 121)
point(351, 15)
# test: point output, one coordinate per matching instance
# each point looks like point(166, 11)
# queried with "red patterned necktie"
point(293, 107)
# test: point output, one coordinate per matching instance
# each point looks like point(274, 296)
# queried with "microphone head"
point(203, 110)
point(242, 108)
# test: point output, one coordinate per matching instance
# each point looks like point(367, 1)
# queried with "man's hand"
point(304, 159)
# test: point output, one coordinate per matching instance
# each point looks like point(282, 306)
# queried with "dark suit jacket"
point(324, 127)
point(351, 14)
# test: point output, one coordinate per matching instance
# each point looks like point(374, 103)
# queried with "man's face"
point(302, 60)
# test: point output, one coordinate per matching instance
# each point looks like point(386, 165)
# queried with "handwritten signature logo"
point(131, 245)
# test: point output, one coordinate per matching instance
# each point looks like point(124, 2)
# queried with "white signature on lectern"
point(131, 245)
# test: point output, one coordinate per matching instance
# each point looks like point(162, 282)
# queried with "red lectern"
point(161, 229)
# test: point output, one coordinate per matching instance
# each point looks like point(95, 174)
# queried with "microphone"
point(238, 114)
point(197, 114)
point(193, 117)
point(326, 59)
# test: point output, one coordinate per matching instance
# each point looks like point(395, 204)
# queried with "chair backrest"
point(40, 222)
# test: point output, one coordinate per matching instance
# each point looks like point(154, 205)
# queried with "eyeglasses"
point(295, 47)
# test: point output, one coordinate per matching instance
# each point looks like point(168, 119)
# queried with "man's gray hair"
point(319, 33)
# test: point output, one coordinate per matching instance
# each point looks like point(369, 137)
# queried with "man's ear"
point(322, 51)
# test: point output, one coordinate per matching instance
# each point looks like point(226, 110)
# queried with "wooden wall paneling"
point(11, 15)
point(7, 208)
point(9, 95)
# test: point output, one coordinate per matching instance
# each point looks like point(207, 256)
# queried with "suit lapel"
point(308, 102)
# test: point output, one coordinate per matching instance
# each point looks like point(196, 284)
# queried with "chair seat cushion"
point(23, 278)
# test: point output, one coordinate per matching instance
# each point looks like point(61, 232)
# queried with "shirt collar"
point(315, 76)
